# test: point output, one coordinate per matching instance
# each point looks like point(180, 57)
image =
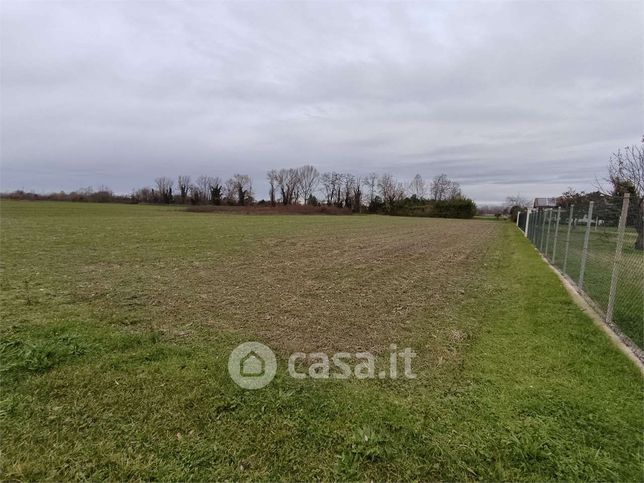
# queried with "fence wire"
point(600, 255)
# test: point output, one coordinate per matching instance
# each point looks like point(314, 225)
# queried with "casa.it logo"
point(252, 365)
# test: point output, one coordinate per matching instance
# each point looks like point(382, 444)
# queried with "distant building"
point(544, 203)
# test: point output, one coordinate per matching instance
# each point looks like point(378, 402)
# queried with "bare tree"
point(389, 190)
point(143, 195)
point(370, 183)
point(443, 188)
point(401, 191)
point(339, 185)
point(454, 191)
point(328, 184)
point(516, 200)
point(282, 181)
point(417, 187)
point(243, 188)
point(514, 205)
point(626, 175)
point(103, 194)
point(308, 178)
point(349, 182)
point(335, 187)
point(203, 185)
point(439, 186)
point(287, 182)
point(183, 182)
point(195, 194)
point(164, 187)
point(271, 176)
point(357, 195)
point(230, 191)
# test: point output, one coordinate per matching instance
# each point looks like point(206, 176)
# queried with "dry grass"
point(358, 287)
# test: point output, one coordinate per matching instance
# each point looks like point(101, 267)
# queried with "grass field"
point(628, 312)
point(117, 322)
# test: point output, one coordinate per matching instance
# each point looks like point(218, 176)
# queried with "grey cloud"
point(501, 96)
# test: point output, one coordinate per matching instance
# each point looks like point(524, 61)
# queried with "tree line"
point(205, 189)
point(305, 185)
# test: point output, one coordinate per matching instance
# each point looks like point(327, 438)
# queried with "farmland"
point(117, 322)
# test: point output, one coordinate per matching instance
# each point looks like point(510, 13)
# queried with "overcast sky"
point(507, 97)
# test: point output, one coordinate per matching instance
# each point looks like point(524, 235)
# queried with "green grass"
point(629, 302)
point(117, 322)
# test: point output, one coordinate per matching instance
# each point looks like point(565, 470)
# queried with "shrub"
point(456, 208)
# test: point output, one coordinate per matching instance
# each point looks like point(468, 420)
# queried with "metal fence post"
point(548, 233)
point(618, 258)
point(570, 216)
point(527, 224)
point(543, 229)
point(584, 253)
point(554, 243)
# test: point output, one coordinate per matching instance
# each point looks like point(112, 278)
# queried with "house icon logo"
point(252, 365)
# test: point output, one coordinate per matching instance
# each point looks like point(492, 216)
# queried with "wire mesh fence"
point(598, 246)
